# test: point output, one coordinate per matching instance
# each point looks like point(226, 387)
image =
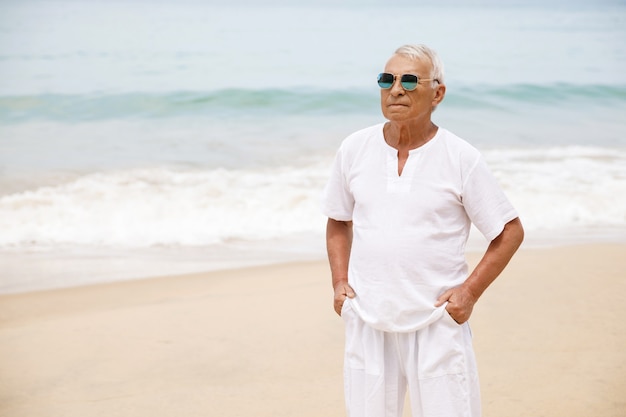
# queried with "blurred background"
point(141, 138)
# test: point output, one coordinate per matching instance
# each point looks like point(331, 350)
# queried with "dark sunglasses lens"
point(385, 80)
point(409, 82)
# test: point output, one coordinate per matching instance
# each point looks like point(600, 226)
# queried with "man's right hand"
point(343, 290)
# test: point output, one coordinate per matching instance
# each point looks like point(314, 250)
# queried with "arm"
point(461, 299)
point(338, 245)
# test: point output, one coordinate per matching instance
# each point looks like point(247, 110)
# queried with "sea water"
point(141, 138)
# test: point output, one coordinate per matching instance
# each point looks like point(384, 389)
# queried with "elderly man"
point(400, 201)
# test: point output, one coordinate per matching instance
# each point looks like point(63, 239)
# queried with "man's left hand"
point(460, 303)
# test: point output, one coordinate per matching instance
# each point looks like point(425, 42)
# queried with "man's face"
point(401, 105)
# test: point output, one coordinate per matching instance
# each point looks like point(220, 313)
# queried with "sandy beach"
point(264, 342)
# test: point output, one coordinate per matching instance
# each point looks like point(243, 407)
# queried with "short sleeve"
point(485, 203)
point(337, 201)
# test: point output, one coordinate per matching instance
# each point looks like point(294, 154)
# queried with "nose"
point(396, 87)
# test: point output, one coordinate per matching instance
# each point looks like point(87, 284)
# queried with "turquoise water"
point(231, 103)
point(206, 130)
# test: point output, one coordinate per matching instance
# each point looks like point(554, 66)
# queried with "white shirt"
point(410, 230)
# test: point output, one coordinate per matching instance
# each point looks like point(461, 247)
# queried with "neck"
point(411, 135)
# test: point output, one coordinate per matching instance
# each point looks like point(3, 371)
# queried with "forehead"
point(402, 64)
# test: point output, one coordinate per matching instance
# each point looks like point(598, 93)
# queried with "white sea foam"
point(149, 207)
point(564, 188)
point(553, 189)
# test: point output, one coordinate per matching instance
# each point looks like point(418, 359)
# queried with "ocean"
point(146, 138)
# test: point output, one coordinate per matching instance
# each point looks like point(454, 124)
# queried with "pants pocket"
point(448, 317)
point(442, 348)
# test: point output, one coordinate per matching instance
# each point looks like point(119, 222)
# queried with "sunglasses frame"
point(402, 82)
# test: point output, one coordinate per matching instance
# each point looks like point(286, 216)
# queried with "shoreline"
point(41, 269)
point(264, 341)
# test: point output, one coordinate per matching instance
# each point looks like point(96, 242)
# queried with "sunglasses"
point(408, 81)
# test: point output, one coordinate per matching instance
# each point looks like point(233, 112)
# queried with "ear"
point(440, 92)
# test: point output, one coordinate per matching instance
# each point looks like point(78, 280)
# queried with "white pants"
point(435, 363)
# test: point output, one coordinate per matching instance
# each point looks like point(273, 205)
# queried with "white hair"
point(422, 52)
